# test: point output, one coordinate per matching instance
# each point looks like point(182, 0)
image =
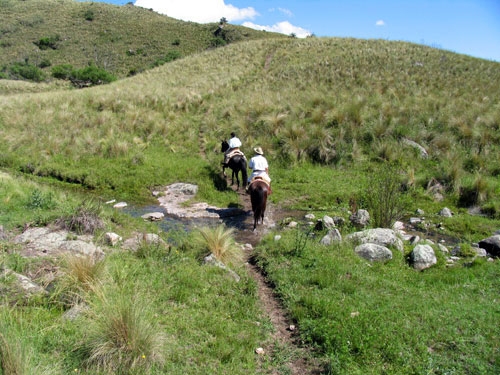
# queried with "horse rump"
point(258, 196)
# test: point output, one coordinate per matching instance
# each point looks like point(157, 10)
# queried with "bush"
point(386, 199)
point(94, 75)
point(48, 42)
point(26, 71)
point(62, 71)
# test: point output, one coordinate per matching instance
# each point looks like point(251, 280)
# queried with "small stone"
point(291, 327)
point(259, 351)
point(120, 205)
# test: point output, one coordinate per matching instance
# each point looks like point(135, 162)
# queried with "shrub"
point(40, 200)
point(26, 71)
point(89, 15)
point(92, 75)
point(63, 71)
point(86, 219)
point(48, 42)
point(386, 200)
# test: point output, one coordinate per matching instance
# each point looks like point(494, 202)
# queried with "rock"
point(445, 212)
point(360, 218)
point(112, 239)
point(153, 216)
point(491, 245)
point(292, 224)
point(173, 201)
point(24, 282)
point(328, 222)
point(415, 220)
point(259, 351)
point(373, 252)
point(380, 236)
point(331, 237)
point(310, 217)
point(398, 225)
point(277, 238)
point(75, 311)
point(43, 241)
point(213, 261)
point(135, 242)
point(120, 205)
point(414, 240)
point(423, 257)
point(421, 149)
point(443, 249)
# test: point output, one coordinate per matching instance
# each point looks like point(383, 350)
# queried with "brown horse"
point(258, 190)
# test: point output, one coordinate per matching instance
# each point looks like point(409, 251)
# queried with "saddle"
point(232, 153)
point(258, 178)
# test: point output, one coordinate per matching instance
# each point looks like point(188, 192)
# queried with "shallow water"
point(242, 223)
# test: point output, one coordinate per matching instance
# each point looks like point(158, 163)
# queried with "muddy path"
point(285, 341)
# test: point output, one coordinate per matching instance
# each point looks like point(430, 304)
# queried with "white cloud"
point(201, 11)
point(380, 23)
point(284, 27)
point(286, 12)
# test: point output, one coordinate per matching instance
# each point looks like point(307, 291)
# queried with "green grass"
point(369, 318)
point(330, 114)
point(124, 40)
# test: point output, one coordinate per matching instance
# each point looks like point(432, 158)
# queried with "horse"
point(237, 163)
point(258, 190)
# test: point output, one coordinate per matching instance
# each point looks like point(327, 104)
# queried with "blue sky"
point(470, 27)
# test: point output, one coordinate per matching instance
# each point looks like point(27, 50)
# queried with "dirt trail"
point(285, 340)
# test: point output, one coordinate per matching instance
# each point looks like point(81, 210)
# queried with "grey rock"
point(373, 252)
point(380, 236)
point(423, 257)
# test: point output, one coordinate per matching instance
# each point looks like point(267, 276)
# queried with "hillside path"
point(285, 341)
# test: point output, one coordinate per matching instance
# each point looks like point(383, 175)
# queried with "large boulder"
point(373, 252)
point(44, 241)
point(491, 245)
point(379, 236)
point(423, 257)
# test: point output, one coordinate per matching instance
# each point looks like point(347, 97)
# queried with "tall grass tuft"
point(13, 356)
point(86, 218)
point(121, 336)
point(81, 276)
point(220, 242)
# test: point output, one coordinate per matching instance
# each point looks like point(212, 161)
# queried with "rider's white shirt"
point(258, 163)
point(234, 142)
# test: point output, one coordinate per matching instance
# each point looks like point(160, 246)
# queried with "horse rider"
point(260, 168)
point(234, 148)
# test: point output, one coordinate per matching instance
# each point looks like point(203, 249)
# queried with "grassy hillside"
point(123, 40)
point(343, 106)
point(335, 118)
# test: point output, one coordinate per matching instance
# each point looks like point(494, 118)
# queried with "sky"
point(470, 27)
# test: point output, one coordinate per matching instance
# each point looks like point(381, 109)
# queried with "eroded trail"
point(284, 347)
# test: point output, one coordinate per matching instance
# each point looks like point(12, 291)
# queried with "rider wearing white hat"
point(259, 166)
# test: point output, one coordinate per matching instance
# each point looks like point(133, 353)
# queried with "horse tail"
point(259, 201)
